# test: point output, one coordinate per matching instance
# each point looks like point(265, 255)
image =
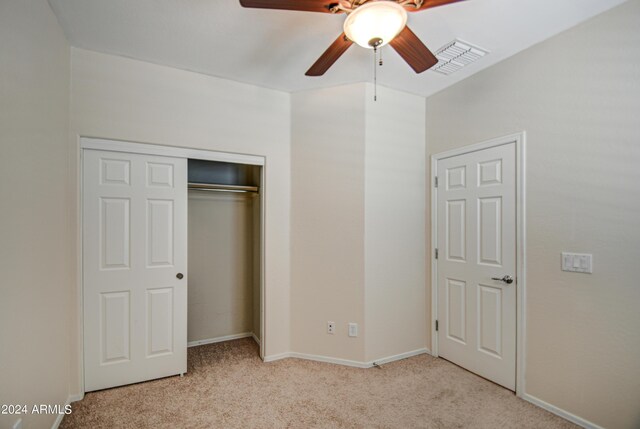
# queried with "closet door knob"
point(179, 276)
point(507, 279)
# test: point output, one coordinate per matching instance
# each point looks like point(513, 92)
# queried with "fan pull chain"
point(377, 61)
point(375, 77)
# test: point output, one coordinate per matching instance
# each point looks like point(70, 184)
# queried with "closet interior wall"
point(224, 254)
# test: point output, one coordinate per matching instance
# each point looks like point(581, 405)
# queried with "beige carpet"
point(228, 386)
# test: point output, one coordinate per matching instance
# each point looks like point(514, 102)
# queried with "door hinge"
point(436, 252)
point(436, 181)
point(437, 325)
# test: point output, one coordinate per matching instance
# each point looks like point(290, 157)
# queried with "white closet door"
point(134, 253)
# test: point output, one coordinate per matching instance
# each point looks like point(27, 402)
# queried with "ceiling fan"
point(370, 24)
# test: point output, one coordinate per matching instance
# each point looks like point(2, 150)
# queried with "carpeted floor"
point(228, 386)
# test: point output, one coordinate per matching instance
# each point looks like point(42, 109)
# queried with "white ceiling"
point(274, 48)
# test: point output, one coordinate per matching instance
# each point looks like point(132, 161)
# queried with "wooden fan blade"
point(303, 5)
point(326, 60)
point(413, 51)
point(428, 4)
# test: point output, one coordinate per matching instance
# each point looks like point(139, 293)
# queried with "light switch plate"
point(353, 329)
point(577, 262)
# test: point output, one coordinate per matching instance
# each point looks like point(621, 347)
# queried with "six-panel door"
point(134, 245)
point(476, 227)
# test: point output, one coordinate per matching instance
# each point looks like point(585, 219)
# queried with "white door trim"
point(519, 140)
point(160, 150)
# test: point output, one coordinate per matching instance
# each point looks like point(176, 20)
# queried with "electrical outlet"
point(17, 424)
point(353, 329)
point(331, 328)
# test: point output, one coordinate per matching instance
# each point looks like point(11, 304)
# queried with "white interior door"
point(134, 246)
point(476, 241)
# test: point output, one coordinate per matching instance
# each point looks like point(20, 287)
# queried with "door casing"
point(160, 150)
point(519, 141)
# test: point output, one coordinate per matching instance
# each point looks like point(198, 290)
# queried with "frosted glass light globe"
point(383, 19)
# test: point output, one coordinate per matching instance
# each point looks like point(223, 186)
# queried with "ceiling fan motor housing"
point(375, 42)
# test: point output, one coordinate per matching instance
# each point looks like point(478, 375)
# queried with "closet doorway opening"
point(224, 230)
point(172, 255)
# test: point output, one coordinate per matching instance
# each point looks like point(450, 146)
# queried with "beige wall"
point(394, 224)
point(327, 220)
point(221, 266)
point(35, 245)
point(577, 95)
point(357, 236)
point(120, 98)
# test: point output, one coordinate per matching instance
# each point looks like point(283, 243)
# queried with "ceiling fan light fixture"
point(375, 23)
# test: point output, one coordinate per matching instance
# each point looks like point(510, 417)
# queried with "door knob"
point(179, 276)
point(507, 279)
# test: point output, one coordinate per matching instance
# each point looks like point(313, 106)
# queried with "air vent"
point(455, 55)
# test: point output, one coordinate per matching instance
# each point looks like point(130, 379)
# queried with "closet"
point(224, 251)
point(171, 257)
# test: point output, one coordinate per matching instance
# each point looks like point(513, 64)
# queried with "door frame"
point(113, 145)
point(519, 139)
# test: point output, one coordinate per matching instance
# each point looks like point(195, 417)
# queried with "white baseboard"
point(219, 339)
point(77, 397)
point(400, 356)
point(70, 399)
point(346, 362)
point(255, 338)
point(57, 421)
point(276, 357)
point(560, 412)
point(327, 359)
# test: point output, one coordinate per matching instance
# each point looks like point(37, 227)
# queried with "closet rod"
point(222, 188)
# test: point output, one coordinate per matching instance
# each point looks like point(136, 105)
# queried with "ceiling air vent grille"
point(455, 55)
